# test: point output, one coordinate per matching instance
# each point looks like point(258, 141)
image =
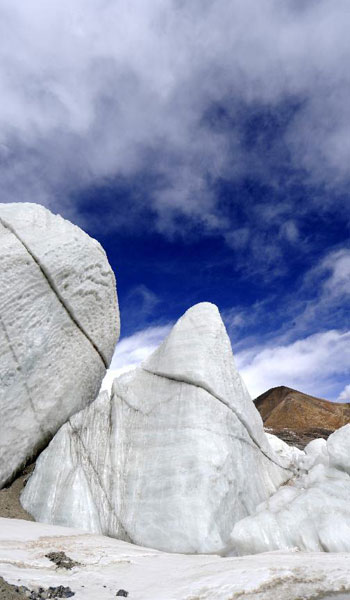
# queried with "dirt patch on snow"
point(10, 506)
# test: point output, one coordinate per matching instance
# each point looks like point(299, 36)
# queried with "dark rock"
point(122, 593)
point(299, 438)
point(61, 560)
point(14, 592)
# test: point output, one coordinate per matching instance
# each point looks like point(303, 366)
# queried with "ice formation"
point(312, 512)
point(174, 460)
point(59, 324)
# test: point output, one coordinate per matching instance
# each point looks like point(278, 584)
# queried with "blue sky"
point(206, 145)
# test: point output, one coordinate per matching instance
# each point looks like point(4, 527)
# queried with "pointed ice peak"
point(196, 350)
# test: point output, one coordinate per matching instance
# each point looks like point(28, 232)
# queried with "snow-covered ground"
point(108, 565)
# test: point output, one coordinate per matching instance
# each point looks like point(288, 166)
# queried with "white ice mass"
point(312, 512)
point(174, 459)
point(59, 323)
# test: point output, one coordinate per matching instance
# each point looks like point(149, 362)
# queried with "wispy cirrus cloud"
point(320, 302)
point(306, 341)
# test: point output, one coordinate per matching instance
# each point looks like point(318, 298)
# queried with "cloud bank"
point(95, 91)
point(313, 365)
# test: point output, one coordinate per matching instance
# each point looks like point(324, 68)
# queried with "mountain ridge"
point(283, 408)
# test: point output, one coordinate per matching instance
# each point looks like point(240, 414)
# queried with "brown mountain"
point(298, 417)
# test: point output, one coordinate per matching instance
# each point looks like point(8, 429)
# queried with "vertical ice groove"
point(223, 401)
point(30, 399)
point(66, 305)
point(87, 454)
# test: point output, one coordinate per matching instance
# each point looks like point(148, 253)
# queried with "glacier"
point(173, 459)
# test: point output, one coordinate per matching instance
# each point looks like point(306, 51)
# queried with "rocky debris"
point(44, 594)
point(283, 408)
point(10, 505)
point(164, 463)
point(11, 592)
point(299, 438)
point(21, 592)
point(110, 565)
point(312, 512)
point(61, 560)
point(59, 324)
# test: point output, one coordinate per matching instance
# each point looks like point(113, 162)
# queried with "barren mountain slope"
point(298, 416)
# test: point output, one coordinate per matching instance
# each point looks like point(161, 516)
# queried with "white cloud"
point(132, 350)
point(325, 294)
point(281, 353)
point(344, 396)
point(321, 301)
point(338, 266)
point(312, 365)
point(289, 230)
point(93, 89)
